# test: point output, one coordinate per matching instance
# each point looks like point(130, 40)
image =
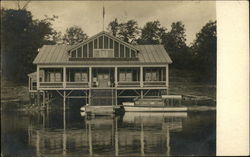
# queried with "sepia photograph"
point(108, 78)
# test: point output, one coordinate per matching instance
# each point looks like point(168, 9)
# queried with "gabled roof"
point(99, 34)
point(57, 54)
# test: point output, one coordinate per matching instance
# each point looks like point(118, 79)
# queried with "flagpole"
point(103, 15)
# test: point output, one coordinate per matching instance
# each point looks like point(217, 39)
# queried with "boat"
point(153, 109)
point(152, 105)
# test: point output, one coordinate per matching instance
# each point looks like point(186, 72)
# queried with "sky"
point(89, 14)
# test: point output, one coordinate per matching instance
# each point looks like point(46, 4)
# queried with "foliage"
point(127, 31)
point(152, 33)
point(113, 27)
point(204, 51)
point(175, 44)
point(176, 38)
point(21, 37)
point(74, 35)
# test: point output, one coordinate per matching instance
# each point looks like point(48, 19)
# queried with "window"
point(58, 77)
point(52, 77)
point(106, 42)
point(91, 49)
point(100, 42)
point(110, 43)
point(127, 52)
point(122, 76)
point(73, 54)
point(122, 51)
point(133, 54)
point(81, 77)
point(95, 43)
point(116, 49)
point(129, 76)
point(84, 77)
point(79, 52)
point(85, 51)
point(151, 76)
point(55, 77)
point(125, 76)
point(109, 53)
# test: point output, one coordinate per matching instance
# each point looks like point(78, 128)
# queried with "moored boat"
point(153, 109)
point(152, 105)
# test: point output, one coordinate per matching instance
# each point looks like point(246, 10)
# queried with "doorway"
point(103, 77)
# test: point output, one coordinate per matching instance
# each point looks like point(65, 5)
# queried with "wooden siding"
point(105, 44)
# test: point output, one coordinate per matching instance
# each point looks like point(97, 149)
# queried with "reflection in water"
point(133, 134)
point(58, 133)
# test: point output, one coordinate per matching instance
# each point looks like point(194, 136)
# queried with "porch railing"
point(77, 84)
point(51, 84)
point(154, 83)
point(86, 84)
point(128, 84)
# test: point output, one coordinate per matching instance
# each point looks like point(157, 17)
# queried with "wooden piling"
point(44, 99)
point(38, 97)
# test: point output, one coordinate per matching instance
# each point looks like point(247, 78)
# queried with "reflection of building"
point(101, 68)
point(133, 134)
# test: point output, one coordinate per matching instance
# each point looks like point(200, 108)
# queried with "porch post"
point(141, 76)
point(90, 77)
point(64, 77)
point(116, 80)
point(37, 77)
point(167, 78)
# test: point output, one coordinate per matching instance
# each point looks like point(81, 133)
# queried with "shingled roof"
point(57, 54)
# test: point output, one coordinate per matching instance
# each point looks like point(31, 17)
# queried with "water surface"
point(56, 133)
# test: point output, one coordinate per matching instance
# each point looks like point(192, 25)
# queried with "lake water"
point(56, 133)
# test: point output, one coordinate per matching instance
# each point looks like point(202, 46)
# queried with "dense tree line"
point(22, 36)
point(200, 56)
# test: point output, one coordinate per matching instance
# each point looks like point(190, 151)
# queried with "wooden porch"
point(99, 77)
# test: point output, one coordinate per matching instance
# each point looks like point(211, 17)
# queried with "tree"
point(22, 36)
point(127, 31)
point(113, 27)
point(204, 50)
point(175, 44)
point(152, 33)
point(74, 35)
point(176, 38)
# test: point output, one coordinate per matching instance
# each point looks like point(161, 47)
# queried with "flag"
point(103, 13)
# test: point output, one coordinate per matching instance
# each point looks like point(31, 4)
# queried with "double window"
point(151, 76)
point(125, 76)
point(54, 77)
point(81, 77)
